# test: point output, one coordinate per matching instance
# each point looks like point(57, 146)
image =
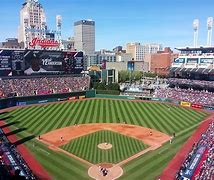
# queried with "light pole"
point(143, 72)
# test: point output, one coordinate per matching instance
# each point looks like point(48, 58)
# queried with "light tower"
point(195, 28)
point(209, 28)
point(58, 29)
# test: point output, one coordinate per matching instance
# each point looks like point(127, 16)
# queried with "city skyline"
point(118, 23)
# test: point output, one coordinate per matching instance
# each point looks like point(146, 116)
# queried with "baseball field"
point(134, 135)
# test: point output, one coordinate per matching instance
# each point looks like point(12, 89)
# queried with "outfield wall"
point(21, 101)
point(181, 103)
point(40, 99)
point(113, 96)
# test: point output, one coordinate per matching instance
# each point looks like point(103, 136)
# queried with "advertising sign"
point(72, 98)
point(21, 103)
point(192, 60)
point(179, 60)
point(81, 97)
point(207, 60)
point(130, 65)
point(5, 63)
point(198, 106)
point(104, 64)
point(43, 43)
point(209, 107)
point(155, 99)
point(185, 104)
point(194, 162)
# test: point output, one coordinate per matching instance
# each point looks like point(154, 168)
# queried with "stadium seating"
point(190, 83)
point(199, 164)
point(163, 89)
point(42, 85)
point(12, 162)
point(189, 95)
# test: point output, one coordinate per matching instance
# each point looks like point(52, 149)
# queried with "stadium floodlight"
point(58, 29)
point(210, 22)
point(58, 20)
point(195, 28)
point(209, 28)
point(195, 24)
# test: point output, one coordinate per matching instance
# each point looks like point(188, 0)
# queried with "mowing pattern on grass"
point(40, 120)
point(37, 121)
point(86, 147)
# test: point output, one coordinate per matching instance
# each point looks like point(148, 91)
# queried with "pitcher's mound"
point(111, 171)
point(104, 146)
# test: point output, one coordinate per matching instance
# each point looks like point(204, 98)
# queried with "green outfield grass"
point(86, 148)
point(163, 117)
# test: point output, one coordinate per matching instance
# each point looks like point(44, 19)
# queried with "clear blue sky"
point(120, 21)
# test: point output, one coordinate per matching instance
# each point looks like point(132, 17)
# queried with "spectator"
point(206, 168)
point(43, 85)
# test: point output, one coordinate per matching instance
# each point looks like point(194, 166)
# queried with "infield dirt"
point(62, 136)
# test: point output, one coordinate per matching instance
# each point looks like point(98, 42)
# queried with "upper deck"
point(202, 57)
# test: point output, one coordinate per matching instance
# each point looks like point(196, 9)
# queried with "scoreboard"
point(73, 62)
point(30, 62)
point(5, 63)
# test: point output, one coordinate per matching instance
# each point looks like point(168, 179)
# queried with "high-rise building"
point(133, 49)
point(139, 51)
point(32, 22)
point(152, 48)
point(84, 36)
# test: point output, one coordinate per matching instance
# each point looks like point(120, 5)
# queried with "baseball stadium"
point(70, 112)
point(57, 127)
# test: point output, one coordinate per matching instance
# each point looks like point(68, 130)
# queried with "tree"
point(123, 76)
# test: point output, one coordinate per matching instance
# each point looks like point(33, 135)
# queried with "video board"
point(5, 63)
point(73, 62)
point(30, 62)
point(37, 62)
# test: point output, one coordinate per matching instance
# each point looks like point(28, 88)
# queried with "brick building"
point(160, 62)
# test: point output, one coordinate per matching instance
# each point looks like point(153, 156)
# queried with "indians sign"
point(43, 43)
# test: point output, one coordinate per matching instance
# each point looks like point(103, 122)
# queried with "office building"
point(121, 57)
point(12, 43)
point(127, 66)
point(103, 75)
point(138, 51)
point(84, 36)
point(32, 22)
